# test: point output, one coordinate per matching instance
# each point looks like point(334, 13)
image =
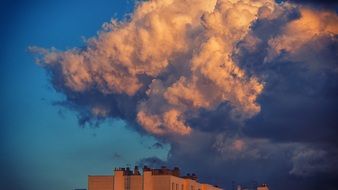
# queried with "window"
point(172, 186)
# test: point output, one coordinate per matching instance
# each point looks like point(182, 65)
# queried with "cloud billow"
point(230, 82)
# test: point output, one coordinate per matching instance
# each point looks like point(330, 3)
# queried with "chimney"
point(176, 172)
point(136, 171)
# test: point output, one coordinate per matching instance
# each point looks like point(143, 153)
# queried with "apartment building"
point(150, 179)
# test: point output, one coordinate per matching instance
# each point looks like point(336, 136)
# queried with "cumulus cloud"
point(177, 55)
point(312, 26)
point(239, 84)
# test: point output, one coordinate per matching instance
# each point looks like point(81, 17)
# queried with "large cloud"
point(175, 57)
point(239, 85)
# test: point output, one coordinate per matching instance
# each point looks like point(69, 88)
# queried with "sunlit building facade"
point(263, 186)
point(151, 179)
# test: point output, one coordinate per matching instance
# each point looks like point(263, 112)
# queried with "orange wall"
point(161, 182)
point(100, 182)
point(136, 182)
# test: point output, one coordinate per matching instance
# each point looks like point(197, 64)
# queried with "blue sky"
point(43, 146)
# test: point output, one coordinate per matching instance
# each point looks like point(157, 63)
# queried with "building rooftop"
point(157, 171)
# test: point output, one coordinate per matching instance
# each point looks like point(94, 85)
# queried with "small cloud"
point(117, 156)
point(153, 162)
point(310, 161)
point(157, 145)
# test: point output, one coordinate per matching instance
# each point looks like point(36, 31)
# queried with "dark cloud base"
point(326, 4)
